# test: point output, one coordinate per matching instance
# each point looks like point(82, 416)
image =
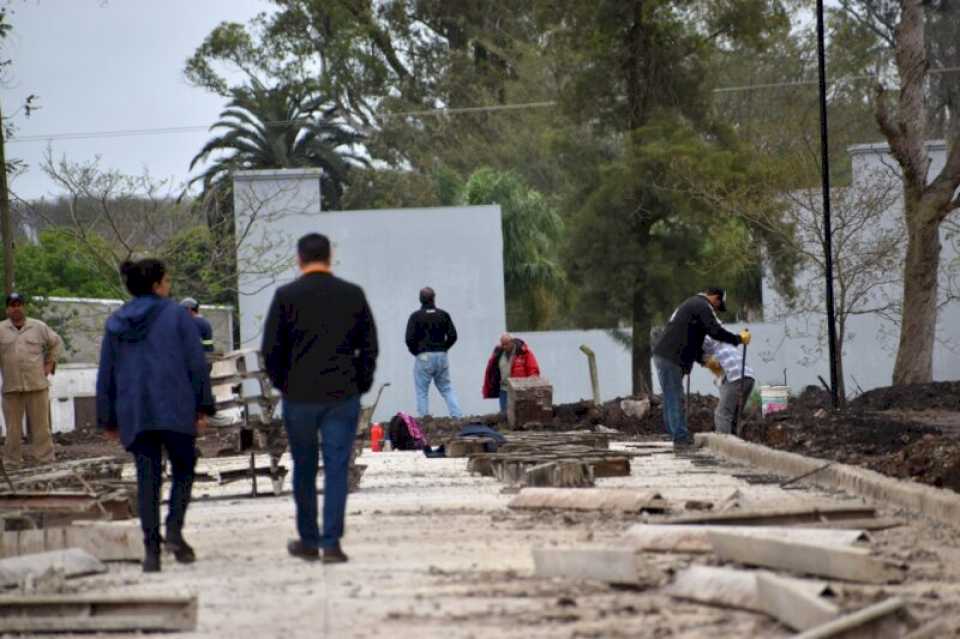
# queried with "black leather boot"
point(151, 561)
point(182, 551)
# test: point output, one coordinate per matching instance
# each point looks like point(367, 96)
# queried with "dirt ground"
point(435, 552)
point(905, 432)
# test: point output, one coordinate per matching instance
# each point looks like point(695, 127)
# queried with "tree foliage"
point(532, 228)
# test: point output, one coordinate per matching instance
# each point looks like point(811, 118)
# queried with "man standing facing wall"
point(430, 334)
point(28, 355)
point(320, 350)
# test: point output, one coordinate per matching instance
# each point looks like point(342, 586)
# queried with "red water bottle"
point(376, 437)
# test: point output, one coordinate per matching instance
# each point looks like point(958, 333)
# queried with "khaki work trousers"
point(36, 406)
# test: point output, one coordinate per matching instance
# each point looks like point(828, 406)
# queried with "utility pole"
point(6, 226)
point(827, 229)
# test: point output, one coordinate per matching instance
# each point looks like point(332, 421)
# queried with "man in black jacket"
point(430, 334)
point(320, 350)
point(680, 346)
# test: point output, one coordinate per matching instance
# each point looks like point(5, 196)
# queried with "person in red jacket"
point(512, 358)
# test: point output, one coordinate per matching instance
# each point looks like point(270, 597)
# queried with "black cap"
point(716, 290)
point(15, 297)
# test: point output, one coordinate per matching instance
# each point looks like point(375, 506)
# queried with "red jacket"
point(522, 364)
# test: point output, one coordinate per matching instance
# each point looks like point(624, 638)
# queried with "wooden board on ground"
point(731, 587)
point(793, 606)
point(690, 538)
point(877, 622)
point(779, 516)
point(612, 500)
point(114, 505)
point(610, 565)
point(560, 474)
point(91, 613)
point(849, 564)
point(107, 541)
point(73, 562)
point(870, 524)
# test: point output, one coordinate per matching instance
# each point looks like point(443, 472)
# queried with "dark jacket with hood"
point(153, 374)
point(682, 339)
point(430, 330)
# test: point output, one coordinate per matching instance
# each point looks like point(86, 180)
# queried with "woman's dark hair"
point(140, 276)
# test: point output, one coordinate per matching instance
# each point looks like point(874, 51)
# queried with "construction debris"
point(45, 509)
point(107, 541)
point(529, 399)
point(610, 565)
point(92, 613)
point(793, 605)
point(608, 500)
point(691, 538)
point(578, 457)
point(877, 622)
point(729, 587)
point(72, 562)
point(850, 564)
point(835, 514)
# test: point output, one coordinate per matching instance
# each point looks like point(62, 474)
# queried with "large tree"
point(635, 78)
point(928, 200)
point(280, 127)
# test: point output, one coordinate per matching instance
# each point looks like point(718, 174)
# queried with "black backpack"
point(400, 437)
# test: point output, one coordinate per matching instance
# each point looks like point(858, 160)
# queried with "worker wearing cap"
point(206, 330)
point(680, 345)
point(28, 356)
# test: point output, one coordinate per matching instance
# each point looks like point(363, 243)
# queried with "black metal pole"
point(827, 230)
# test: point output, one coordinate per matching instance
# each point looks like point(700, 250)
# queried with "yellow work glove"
point(745, 336)
point(714, 365)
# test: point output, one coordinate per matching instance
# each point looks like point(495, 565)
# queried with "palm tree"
point(282, 127)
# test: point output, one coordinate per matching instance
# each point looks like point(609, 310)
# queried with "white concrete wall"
point(392, 254)
point(565, 365)
point(70, 381)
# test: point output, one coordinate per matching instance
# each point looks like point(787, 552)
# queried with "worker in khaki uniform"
point(28, 355)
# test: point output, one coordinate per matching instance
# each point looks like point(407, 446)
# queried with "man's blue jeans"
point(434, 367)
point(503, 402)
point(335, 425)
point(671, 384)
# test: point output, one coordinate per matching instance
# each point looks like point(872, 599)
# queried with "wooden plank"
point(779, 516)
point(730, 587)
point(610, 565)
point(73, 562)
point(794, 607)
point(107, 541)
point(613, 500)
point(689, 538)
point(850, 564)
point(859, 622)
point(858, 524)
point(116, 504)
point(91, 613)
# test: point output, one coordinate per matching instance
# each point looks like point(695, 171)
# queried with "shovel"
point(740, 399)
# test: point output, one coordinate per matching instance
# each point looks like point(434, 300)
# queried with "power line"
point(121, 133)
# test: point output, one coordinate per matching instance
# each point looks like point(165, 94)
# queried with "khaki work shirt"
point(23, 353)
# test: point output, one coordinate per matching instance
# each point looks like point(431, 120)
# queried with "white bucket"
point(774, 399)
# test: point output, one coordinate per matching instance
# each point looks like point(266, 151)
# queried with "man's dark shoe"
point(334, 555)
point(296, 549)
point(151, 562)
point(683, 445)
point(182, 551)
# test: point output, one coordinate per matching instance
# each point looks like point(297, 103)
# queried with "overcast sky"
point(106, 66)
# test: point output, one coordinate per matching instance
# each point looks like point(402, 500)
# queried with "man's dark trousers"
point(671, 385)
point(147, 452)
point(335, 425)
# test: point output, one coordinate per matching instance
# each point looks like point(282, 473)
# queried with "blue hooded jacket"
point(153, 374)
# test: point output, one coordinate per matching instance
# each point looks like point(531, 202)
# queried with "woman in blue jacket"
point(153, 392)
